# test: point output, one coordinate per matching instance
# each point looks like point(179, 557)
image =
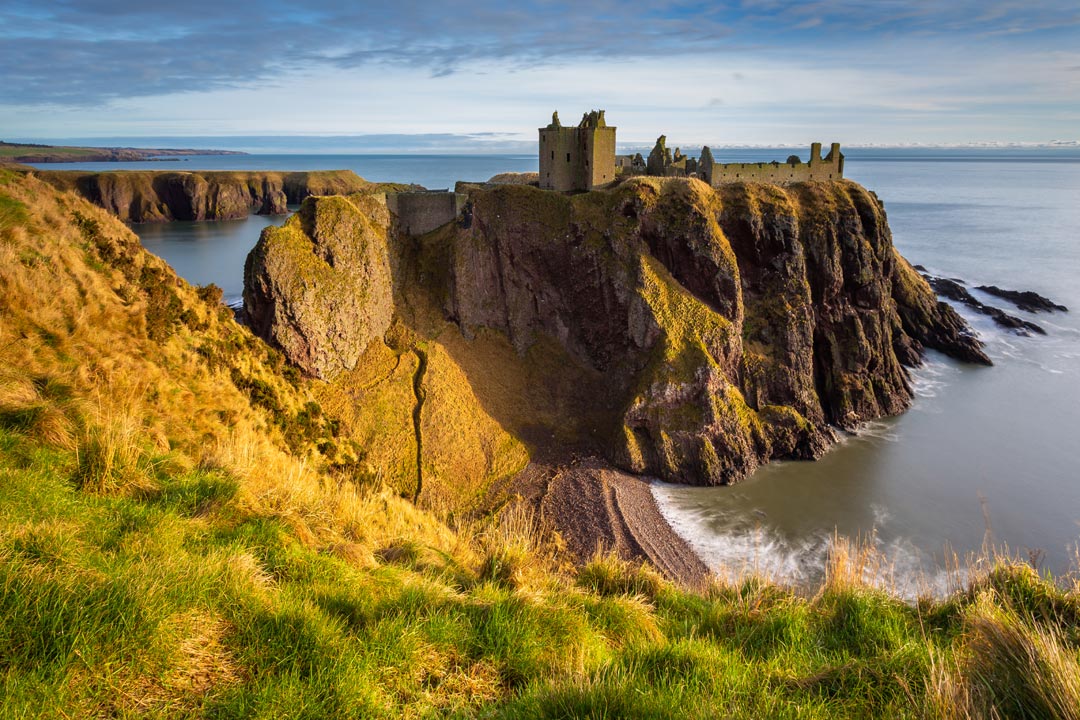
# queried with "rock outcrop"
point(1025, 300)
point(155, 196)
point(953, 289)
point(701, 331)
point(927, 321)
point(319, 286)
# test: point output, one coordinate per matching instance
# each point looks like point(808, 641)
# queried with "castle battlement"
point(583, 157)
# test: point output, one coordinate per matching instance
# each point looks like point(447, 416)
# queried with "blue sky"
point(751, 72)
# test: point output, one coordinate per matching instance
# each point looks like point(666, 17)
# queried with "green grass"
point(162, 555)
point(171, 601)
point(60, 151)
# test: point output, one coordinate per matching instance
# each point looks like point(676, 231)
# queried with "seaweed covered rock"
point(319, 287)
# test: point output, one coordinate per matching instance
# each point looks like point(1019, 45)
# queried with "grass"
point(69, 153)
point(166, 550)
point(172, 596)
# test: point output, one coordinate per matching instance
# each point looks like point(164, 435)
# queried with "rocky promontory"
point(672, 329)
point(157, 196)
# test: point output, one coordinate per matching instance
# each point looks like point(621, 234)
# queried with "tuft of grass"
point(1013, 667)
point(608, 575)
point(110, 458)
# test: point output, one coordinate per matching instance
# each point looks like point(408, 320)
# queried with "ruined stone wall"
point(829, 168)
point(421, 212)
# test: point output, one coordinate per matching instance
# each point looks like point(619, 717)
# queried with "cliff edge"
point(672, 329)
point(161, 196)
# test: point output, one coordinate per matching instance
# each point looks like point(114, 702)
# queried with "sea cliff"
point(155, 196)
point(671, 329)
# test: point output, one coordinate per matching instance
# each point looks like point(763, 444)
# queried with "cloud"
point(92, 51)
point(745, 71)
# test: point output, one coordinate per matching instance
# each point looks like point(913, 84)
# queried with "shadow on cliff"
point(679, 331)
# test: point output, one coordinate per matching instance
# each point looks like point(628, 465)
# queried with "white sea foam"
point(881, 514)
point(750, 547)
point(878, 430)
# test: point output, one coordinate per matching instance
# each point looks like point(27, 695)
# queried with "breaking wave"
point(749, 547)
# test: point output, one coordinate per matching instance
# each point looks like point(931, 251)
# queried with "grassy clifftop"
point(185, 533)
point(36, 153)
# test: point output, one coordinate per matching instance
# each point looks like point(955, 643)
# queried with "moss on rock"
point(682, 331)
point(319, 287)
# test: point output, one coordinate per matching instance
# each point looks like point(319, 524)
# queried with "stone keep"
point(577, 158)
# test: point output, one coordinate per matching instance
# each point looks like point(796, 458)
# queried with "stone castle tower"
point(577, 158)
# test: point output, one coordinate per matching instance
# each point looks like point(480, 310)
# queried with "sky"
point(485, 74)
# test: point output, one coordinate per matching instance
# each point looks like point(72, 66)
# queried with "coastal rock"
point(165, 196)
point(319, 287)
point(680, 331)
point(954, 289)
point(1025, 300)
point(745, 320)
point(927, 321)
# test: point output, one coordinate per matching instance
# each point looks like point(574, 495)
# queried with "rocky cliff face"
point(702, 331)
point(163, 196)
point(319, 286)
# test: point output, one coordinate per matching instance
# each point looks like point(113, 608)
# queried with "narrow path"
point(419, 394)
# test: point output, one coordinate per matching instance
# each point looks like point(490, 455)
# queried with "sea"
point(985, 458)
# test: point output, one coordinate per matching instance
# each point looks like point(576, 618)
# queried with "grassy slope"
point(69, 153)
point(171, 544)
point(59, 151)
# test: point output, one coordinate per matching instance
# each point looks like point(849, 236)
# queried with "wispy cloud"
point(92, 50)
point(837, 63)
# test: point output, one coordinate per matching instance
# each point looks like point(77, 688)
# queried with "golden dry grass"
point(73, 322)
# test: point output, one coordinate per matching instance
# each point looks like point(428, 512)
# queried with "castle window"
point(567, 157)
point(552, 154)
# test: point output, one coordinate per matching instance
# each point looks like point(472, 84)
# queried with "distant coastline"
point(35, 153)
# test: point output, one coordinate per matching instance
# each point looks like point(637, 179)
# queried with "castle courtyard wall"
point(421, 212)
point(777, 173)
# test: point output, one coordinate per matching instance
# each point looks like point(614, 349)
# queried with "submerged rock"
point(1025, 300)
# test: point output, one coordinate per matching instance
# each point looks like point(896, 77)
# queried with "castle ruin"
point(793, 170)
point(583, 157)
point(577, 158)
